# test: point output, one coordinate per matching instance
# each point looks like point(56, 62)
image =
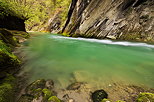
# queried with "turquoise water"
point(96, 62)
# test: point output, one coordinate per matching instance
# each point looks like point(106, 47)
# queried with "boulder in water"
point(99, 95)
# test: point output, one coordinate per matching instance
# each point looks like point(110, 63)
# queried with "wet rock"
point(71, 100)
point(74, 86)
point(35, 87)
point(26, 98)
point(145, 97)
point(49, 84)
point(40, 91)
point(7, 37)
point(99, 95)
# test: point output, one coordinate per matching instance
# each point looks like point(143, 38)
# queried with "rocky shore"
point(9, 63)
point(45, 91)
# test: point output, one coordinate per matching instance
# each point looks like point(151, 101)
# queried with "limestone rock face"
point(113, 19)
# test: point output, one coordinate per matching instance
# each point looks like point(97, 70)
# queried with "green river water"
point(96, 62)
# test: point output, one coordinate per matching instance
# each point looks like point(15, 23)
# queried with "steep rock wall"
point(113, 19)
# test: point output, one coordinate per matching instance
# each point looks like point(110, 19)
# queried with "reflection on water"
point(96, 62)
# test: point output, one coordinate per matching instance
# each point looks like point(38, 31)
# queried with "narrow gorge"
point(76, 51)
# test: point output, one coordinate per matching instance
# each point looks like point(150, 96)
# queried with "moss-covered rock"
point(8, 37)
point(66, 34)
point(20, 33)
point(7, 89)
point(47, 93)
point(26, 98)
point(7, 59)
point(36, 87)
point(40, 90)
point(145, 97)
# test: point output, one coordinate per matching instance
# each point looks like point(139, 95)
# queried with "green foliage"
point(10, 7)
point(43, 10)
point(36, 12)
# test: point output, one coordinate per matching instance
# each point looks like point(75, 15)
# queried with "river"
point(96, 62)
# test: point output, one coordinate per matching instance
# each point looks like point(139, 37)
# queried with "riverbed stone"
point(74, 86)
point(99, 95)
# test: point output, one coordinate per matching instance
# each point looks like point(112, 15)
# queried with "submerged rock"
point(99, 95)
point(74, 86)
point(145, 97)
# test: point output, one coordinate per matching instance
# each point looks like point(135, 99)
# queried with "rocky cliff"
point(113, 19)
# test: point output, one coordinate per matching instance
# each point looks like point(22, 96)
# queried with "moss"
point(3, 46)
point(20, 33)
point(47, 93)
point(145, 97)
point(7, 89)
point(66, 34)
point(54, 99)
point(8, 37)
point(8, 59)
